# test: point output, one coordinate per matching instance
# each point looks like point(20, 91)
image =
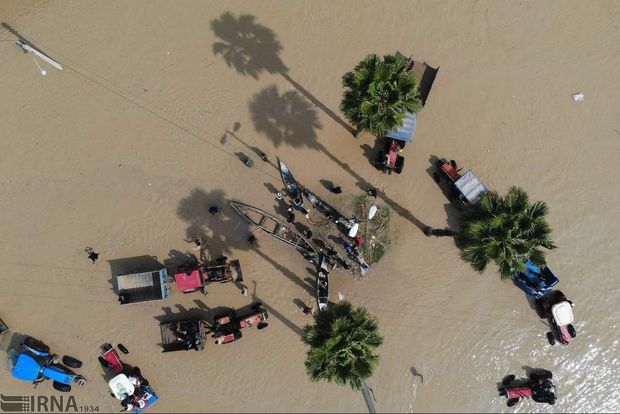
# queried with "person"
point(92, 254)
point(307, 310)
point(336, 189)
point(307, 233)
point(279, 195)
point(348, 248)
point(252, 240)
point(248, 161)
point(244, 290)
point(214, 210)
point(197, 243)
point(263, 157)
point(372, 192)
point(359, 241)
point(291, 216)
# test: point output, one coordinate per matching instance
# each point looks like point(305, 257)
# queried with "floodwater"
point(128, 146)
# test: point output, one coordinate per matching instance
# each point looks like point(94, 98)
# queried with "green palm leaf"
point(505, 230)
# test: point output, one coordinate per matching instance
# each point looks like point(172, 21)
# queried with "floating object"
point(372, 212)
point(354, 228)
point(322, 283)
point(293, 188)
point(29, 48)
point(274, 227)
point(577, 96)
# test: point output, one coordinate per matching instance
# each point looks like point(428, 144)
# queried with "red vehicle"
point(194, 276)
point(227, 326)
point(538, 387)
point(126, 383)
point(466, 188)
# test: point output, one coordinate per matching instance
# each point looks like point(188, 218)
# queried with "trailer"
point(143, 286)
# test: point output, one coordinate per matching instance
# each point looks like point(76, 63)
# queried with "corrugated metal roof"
point(406, 130)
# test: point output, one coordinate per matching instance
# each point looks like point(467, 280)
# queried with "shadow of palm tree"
point(219, 233)
point(289, 119)
point(251, 48)
point(285, 118)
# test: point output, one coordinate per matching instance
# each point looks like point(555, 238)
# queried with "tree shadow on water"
point(219, 233)
point(251, 48)
point(286, 119)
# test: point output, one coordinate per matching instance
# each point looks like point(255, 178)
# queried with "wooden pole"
point(28, 48)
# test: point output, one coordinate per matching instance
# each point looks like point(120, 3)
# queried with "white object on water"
point(372, 212)
point(578, 96)
point(39, 54)
point(353, 231)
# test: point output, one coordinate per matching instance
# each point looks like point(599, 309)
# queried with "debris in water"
point(578, 96)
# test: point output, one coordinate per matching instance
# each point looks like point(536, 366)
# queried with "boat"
point(274, 227)
point(328, 210)
point(322, 283)
point(292, 186)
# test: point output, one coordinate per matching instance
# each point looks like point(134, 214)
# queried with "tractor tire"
point(540, 374)
point(262, 325)
point(571, 331)
point(508, 379)
point(123, 349)
point(512, 402)
point(456, 201)
point(400, 164)
point(35, 345)
point(380, 160)
point(551, 338)
point(104, 363)
point(71, 362)
point(59, 386)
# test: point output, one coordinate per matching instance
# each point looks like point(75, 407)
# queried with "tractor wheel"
point(104, 363)
point(262, 325)
point(123, 349)
point(380, 160)
point(71, 362)
point(37, 346)
point(256, 306)
point(550, 338)
point(59, 386)
point(508, 379)
point(456, 201)
point(80, 380)
point(540, 374)
point(512, 402)
point(400, 164)
point(571, 331)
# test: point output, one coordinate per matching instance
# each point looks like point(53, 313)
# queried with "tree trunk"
point(447, 232)
point(369, 398)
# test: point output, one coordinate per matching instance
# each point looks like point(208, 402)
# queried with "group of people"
point(140, 397)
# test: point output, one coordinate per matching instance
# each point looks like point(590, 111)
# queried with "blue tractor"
point(535, 281)
point(34, 362)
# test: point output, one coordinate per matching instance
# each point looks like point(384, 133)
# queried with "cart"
point(466, 188)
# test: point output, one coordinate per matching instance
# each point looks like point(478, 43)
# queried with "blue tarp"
point(406, 130)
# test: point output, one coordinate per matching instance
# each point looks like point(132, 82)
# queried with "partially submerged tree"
point(342, 344)
point(506, 230)
point(379, 92)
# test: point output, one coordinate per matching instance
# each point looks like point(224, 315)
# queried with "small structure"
point(143, 286)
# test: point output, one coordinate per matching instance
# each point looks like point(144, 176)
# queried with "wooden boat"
point(292, 186)
point(322, 283)
point(274, 227)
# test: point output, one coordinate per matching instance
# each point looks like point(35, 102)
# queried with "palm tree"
point(342, 341)
point(379, 92)
point(506, 230)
